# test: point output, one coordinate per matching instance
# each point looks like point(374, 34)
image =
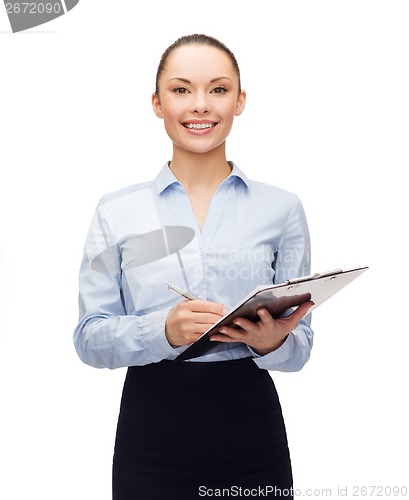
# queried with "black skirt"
point(192, 430)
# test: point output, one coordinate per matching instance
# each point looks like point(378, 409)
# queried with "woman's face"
point(198, 97)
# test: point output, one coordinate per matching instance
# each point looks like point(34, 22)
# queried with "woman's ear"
point(241, 103)
point(157, 108)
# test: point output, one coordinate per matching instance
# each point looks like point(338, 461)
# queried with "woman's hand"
point(190, 319)
point(267, 334)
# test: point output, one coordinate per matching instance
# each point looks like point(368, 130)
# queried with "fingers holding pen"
point(189, 319)
point(205, 306)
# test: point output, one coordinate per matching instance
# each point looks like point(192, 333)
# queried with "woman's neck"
point(200, 170)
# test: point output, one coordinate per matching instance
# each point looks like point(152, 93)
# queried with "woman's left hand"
point(265, 335)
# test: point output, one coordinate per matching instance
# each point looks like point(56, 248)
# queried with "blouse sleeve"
point(107, 335)
point(292, 260)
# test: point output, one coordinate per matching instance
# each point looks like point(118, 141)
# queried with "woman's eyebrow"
point(185, 80)
point(220, 78)
point(180, 79)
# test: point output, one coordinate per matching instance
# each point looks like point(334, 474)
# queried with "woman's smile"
point(199, 127)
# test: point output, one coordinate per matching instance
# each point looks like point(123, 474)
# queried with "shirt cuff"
point(153, 335)
point(280, 355)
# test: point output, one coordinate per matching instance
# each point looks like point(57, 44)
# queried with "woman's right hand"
point(190, 319)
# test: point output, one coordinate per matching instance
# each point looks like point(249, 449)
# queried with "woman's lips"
point(199, 127)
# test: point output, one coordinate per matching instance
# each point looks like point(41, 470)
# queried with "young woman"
point(193, 428)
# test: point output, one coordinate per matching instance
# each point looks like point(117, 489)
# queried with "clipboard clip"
point(313, 277)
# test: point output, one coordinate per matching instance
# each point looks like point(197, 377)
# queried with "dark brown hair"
point(190, 40)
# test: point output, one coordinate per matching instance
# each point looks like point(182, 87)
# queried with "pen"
point(181, 292)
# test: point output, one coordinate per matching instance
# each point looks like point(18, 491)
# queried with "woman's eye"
point(180, 90)
point(219, 90)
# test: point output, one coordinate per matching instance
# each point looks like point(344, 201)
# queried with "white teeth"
point(199, 125)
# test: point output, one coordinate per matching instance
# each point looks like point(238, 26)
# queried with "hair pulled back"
point(198, 40)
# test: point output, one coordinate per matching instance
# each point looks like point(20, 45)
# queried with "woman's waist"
point(194, 373)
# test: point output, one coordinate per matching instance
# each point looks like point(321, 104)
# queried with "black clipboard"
point(280, 300)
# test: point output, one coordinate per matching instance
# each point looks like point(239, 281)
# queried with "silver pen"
point(181, 292)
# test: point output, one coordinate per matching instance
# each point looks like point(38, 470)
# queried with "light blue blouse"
point(146, 234)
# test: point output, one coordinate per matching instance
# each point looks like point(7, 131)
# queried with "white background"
point(326, 117)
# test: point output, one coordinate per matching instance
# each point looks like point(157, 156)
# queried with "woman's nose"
point(201, 103)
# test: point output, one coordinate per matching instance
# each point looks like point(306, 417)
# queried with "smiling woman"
point(217, 420)
point(198, 95)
